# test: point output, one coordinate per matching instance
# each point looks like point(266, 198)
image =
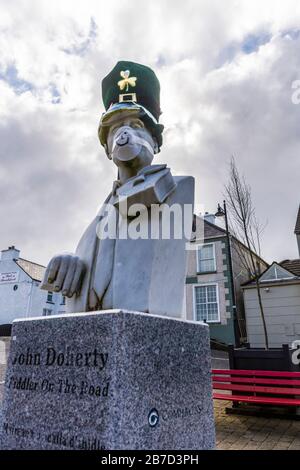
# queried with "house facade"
point(280, 293)
point(209, 295)
point(20, 293)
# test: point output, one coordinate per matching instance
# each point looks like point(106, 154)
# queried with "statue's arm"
point(64, 273)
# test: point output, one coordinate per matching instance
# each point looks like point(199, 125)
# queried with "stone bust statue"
point(143, 270)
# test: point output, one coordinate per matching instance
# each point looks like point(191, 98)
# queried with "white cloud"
point(217, 100)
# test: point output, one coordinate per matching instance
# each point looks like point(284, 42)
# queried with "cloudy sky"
point(226, 75)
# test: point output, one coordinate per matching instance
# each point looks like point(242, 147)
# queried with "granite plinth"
point(108, 380)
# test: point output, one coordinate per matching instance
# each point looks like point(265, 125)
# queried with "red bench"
point(257, 387)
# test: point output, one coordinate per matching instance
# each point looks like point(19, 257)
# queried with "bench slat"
point(262, 400)
point(255, 380)
point(256, 373)
point(258, 389)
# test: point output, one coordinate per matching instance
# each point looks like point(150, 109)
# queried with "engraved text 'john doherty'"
point(66, 358)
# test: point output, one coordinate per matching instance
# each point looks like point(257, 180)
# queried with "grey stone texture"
point(108, 380)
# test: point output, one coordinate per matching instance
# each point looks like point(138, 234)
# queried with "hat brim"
point(118, 111)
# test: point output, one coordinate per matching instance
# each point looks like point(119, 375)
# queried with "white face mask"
point(127, 145)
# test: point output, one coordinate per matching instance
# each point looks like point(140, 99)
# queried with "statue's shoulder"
point(185, 190)
point(184, 179)
point(152, 185)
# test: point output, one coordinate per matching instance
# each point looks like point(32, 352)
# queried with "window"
point(206, 303)
point(47, 312)
point(206, 258)
point(63, 300)
point(275, 273)
point(50, 297)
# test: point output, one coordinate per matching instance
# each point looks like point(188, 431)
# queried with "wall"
point(14, 303)
point(282, 314)
point(22, 297)
point(222, 331)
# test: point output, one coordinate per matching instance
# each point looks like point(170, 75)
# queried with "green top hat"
point(133, 89)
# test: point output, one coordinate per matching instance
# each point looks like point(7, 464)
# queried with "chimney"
point(10, 254)
point(210, 218)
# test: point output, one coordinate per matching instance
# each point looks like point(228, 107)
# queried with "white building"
point(280, 294)
point(20, 293)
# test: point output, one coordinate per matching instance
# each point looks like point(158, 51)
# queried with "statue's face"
point(129, 143)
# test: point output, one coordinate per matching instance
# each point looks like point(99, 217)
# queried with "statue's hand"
point(64, 273)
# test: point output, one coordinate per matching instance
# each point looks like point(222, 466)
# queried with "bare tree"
point(245, 226)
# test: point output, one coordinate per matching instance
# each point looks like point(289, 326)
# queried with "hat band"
point(125, 97)
point(125, 105)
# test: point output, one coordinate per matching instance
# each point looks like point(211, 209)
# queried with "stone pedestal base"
point(108, 380)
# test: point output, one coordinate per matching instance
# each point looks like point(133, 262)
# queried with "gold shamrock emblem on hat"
point(126, 80)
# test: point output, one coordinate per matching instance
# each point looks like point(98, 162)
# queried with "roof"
point(34, 270)
point(251, 284)
point(213, 231)
point(285, 265)
point(210, 230)
point(297, 226)
point(292, 265)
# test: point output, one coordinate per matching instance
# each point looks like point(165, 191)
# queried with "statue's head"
point(130, 143)
point(129, 129)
